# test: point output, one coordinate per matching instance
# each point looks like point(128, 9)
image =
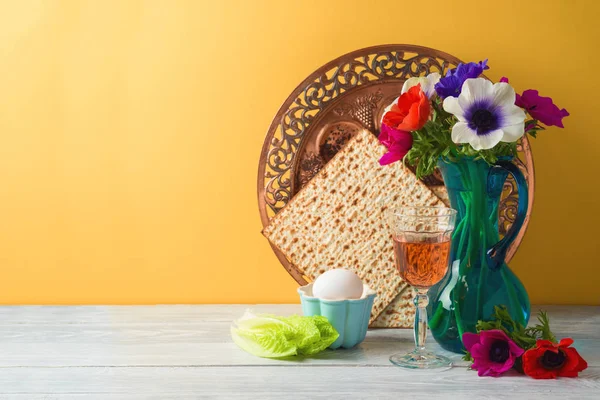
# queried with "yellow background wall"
point(130, 133)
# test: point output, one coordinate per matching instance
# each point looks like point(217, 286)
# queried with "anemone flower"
point(492, 351)
point(451, 84)
point(410, 112)
point(549, 360)
point(541, 108)
point(486, 114)
point(397, 142)
point(427, 83)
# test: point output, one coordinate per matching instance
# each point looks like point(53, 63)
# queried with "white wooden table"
point(185, 352)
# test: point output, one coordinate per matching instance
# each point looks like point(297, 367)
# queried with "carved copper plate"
point(336, 101)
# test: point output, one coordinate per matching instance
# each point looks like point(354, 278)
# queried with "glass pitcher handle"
point(497, 253)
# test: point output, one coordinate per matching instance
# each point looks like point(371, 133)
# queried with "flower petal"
point(384, 135)
point(461, 133)
point(410, 82)
point(533, 368)
point(542, 343)
point(508, 364)
point(571, 362)
point(582, 363)
point(397, 142)
point(504, 94)
point(480, 353)
point(428, 84)
point(495, 334)
point(469, 339)
point(389, 158)
point(512, 114)
point(565, 342)
point(487, 141)
point(515, 349)
point(401, 147)
point(452, 106)
point(512, 133)
point(389, 108)
point(430, 81)
point(488, 338)
point(475, 89)
point(411, 121)
point(541, 108)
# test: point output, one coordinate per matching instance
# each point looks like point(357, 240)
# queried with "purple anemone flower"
point(492, 351)
point(397, 142)
point(541, 108)
point(486, 114)
point(451, 84)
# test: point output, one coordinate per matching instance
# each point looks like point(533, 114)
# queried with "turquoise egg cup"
point(349, 317)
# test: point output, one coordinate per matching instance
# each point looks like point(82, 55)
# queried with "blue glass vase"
point(478, 278)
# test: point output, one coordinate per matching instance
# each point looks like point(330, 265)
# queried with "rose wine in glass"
point(422, 264)
point(422, 239)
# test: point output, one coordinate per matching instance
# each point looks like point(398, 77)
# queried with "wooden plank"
point(285, 383)
point(139, 351)
point(183, 336)
point(586, 316)
point(136, 314)
point(185, 352)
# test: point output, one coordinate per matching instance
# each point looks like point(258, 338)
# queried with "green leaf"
point(264, 343)
point(524, 337)
point(328, 335)
point(467, 357)
point(302, 331)
point(545, 327)
point(270, 336)
point(434, 141)
point(542, 330)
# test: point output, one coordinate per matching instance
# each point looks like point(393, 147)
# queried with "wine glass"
point(422, 237)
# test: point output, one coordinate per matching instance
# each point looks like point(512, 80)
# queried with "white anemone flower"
point(427, 84)
point(486, 114)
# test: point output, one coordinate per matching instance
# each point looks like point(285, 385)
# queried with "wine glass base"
point(421, 360)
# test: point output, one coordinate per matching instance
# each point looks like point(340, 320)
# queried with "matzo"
point(400, 313)
point(337, 220)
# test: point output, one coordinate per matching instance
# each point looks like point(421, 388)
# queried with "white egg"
point(338, 284)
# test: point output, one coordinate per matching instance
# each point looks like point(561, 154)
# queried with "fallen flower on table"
point(549, 360)
point(492, 351)
point(501, 344)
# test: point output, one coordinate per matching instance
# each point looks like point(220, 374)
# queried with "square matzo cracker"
point(338, 219)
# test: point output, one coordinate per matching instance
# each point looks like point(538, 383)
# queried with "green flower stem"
point(512, 294)
point(477, 287)
point(459, 325)
point(435, 318)
point(476, 212)
point(489, 233)
point(465, 240)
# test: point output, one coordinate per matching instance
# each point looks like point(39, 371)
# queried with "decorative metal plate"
point(336, 101)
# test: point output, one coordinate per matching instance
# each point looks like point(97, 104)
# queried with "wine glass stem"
point(421, 300)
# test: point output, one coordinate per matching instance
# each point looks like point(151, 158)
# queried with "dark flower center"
point(552, 360)
point(483, 121)
point(499, 351)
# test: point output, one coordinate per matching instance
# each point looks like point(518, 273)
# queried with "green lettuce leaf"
point(327, 335)
point(268, 343)
point(269, 336)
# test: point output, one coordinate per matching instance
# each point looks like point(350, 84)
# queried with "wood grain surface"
point(185, 352)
